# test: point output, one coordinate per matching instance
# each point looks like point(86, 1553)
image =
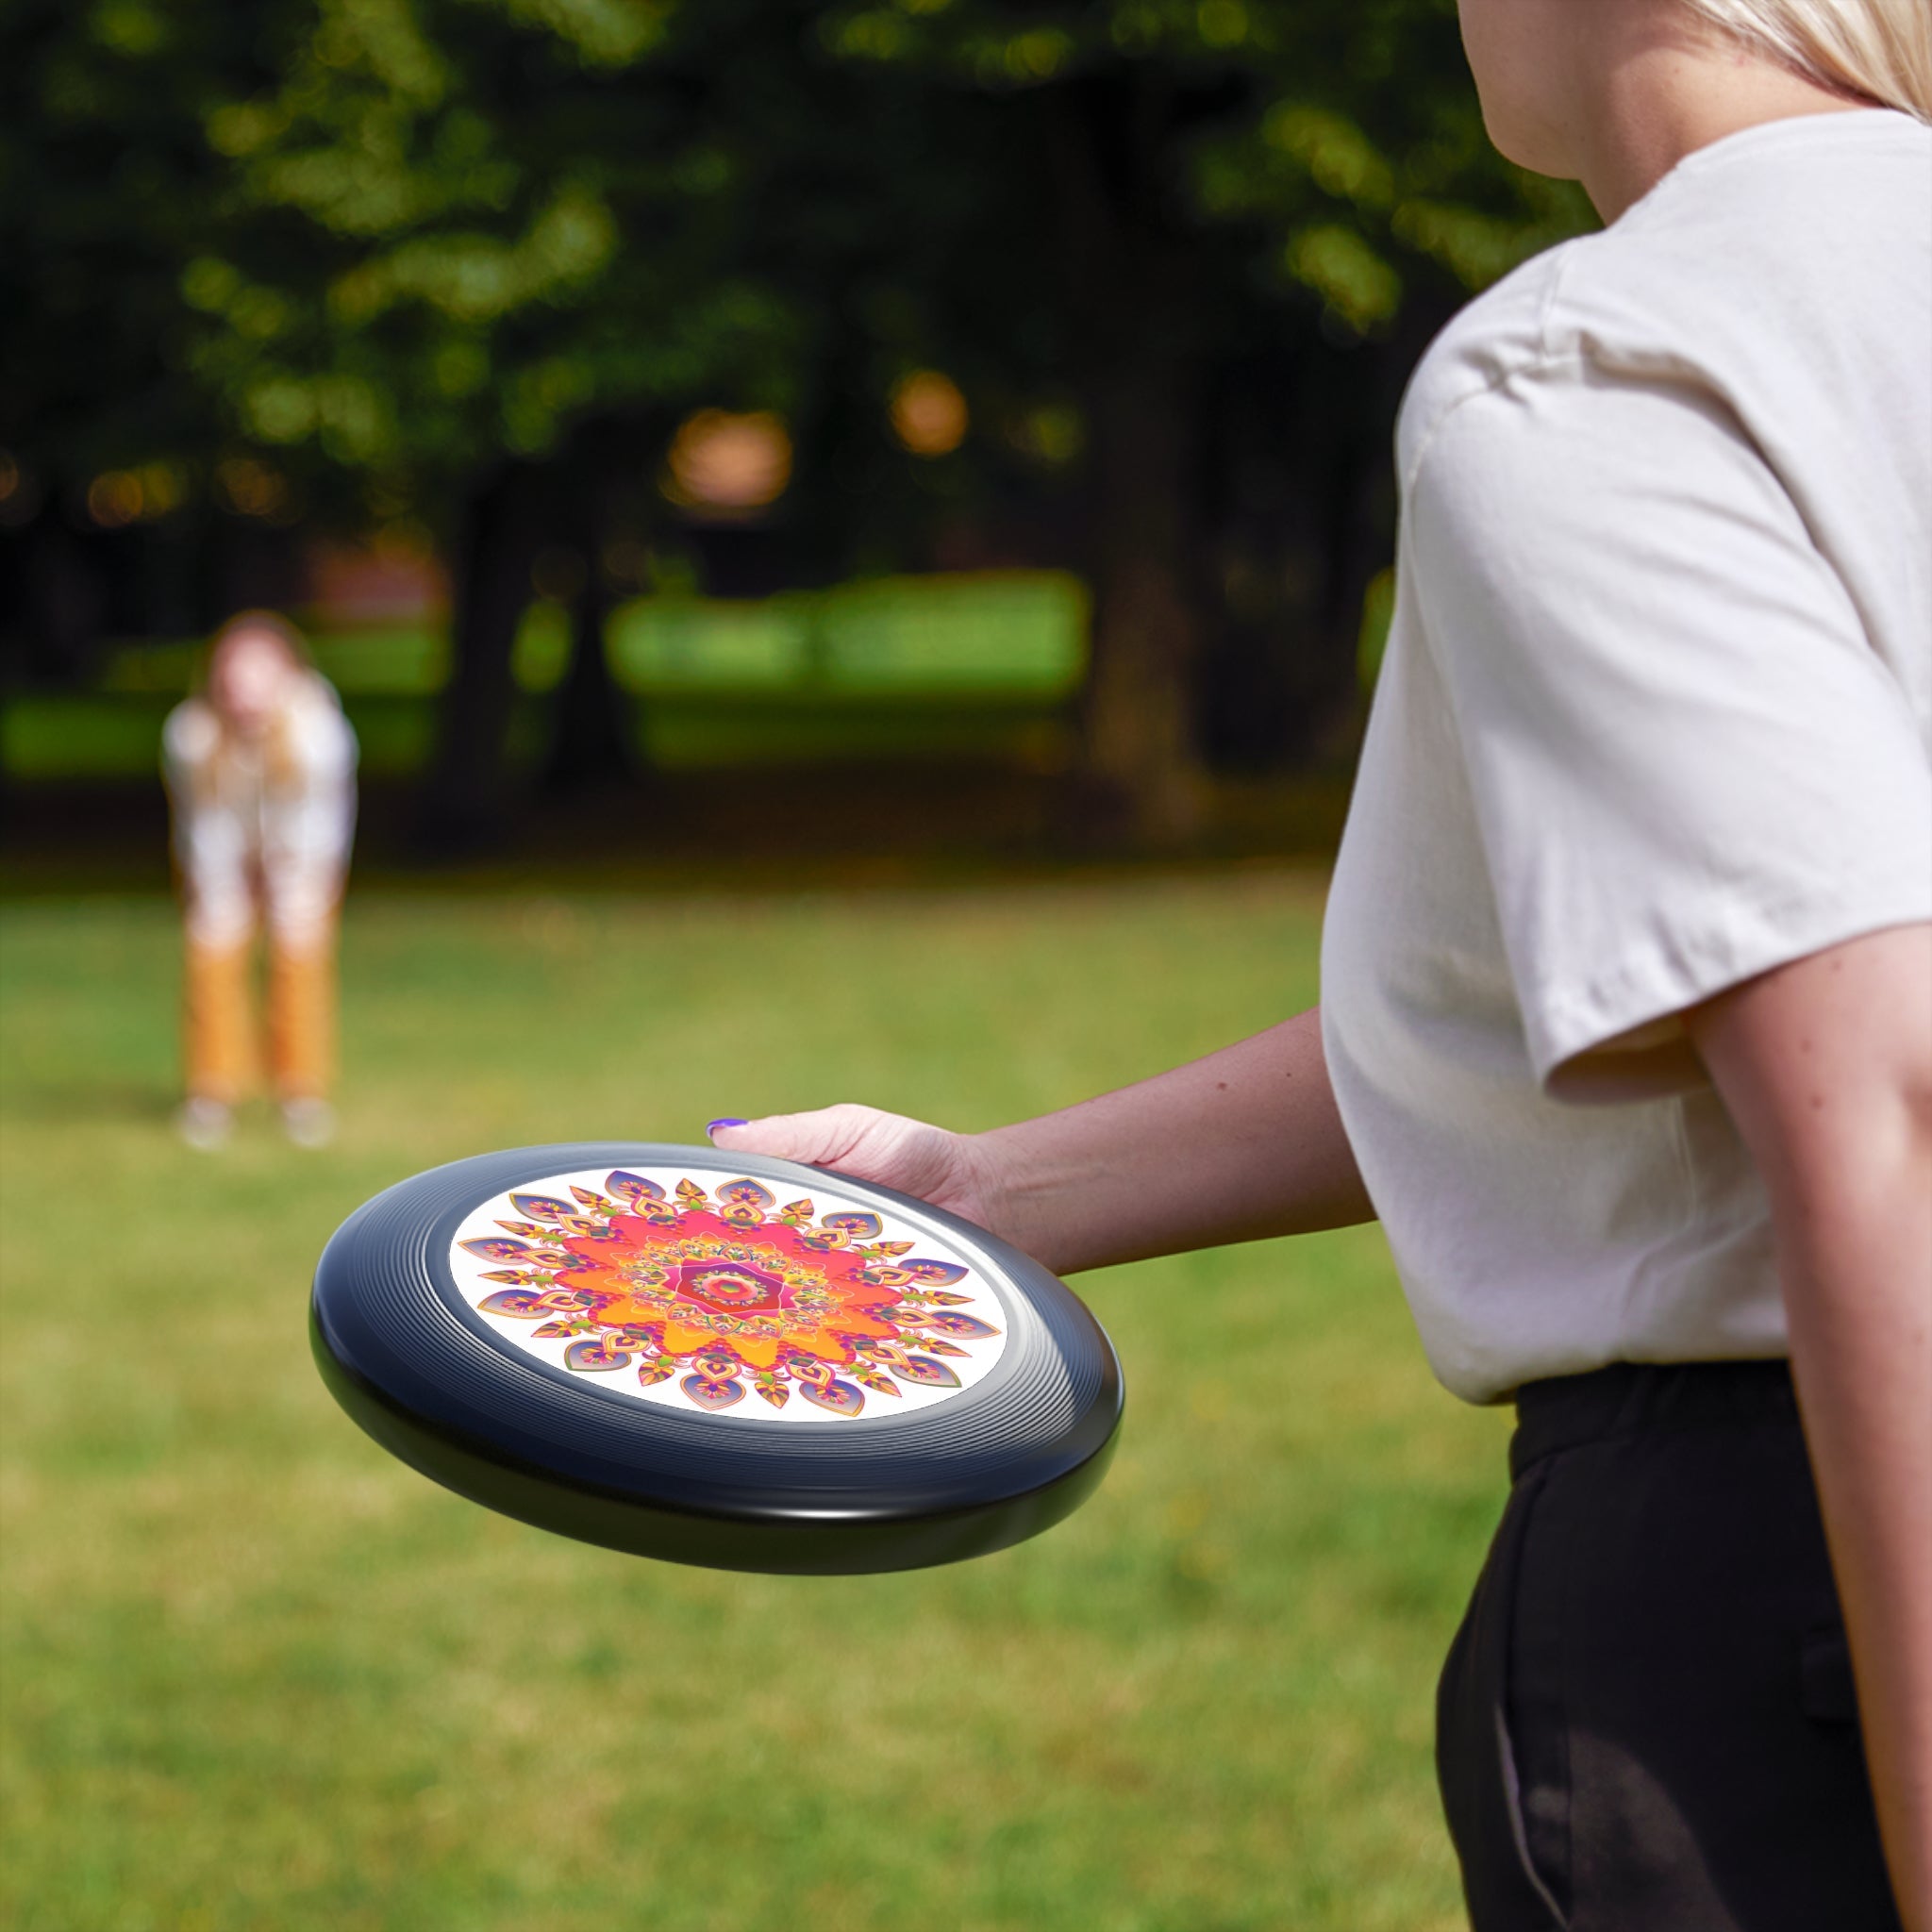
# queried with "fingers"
point(905, 1155)
point(819, 1138)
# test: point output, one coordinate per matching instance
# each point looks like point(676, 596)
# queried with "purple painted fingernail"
point(713, 1127)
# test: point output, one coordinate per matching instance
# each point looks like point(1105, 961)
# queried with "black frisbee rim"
point(417, 1368)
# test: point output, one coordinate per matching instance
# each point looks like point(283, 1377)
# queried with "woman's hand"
point(1236, 1147)
point(949, 1170)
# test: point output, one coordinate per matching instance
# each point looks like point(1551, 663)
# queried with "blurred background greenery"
point(411, 315)
point(854, 535)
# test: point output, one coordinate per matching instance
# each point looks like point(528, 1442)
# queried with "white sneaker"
point(308, 1122)
point(203, 1123)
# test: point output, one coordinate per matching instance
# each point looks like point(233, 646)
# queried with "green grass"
point(70, 735)
point(256, 1674)
point(983, 665)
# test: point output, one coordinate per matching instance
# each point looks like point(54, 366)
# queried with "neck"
point(1661, 93)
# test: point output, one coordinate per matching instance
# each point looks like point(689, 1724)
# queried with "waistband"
point(1637, 1398)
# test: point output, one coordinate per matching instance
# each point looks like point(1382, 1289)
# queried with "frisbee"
point(715, 1359)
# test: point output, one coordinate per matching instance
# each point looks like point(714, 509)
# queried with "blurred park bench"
point(976, 666)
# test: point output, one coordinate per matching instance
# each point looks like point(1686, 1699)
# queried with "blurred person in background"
point(1627, 1022)
point(260, 767)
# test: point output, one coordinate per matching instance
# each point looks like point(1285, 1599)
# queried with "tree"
point(1217, 202)
point(522, 233)
point(109, 191)
point(470, 261)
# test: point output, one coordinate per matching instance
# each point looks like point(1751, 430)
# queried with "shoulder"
point(321, 735)
point(1607, 308)
point(191, 734)
point(1754, 267)
point(1496, 338)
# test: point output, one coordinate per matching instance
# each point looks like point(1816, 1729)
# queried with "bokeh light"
point(119, 497)
point(114, 499)
point(250, 489)
point(929, 415)
point(1050, 433)
point(727, 464)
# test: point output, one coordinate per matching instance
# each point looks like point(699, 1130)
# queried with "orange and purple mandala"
point(697, 1298)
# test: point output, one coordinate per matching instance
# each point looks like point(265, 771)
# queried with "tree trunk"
point(590, 742)
point(62, 600)
point(594, 743)
point(1140, 739)
point(467, 800)
point(1133, 304)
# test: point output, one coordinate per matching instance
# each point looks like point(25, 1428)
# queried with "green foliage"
point(1347, 133)
point(107, 190)
point(257, 1673)
point(397, 239)
point(499, 239)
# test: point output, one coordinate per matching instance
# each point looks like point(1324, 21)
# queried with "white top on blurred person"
point(261, 769)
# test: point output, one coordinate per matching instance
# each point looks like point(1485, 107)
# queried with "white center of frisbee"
point(704, 1291)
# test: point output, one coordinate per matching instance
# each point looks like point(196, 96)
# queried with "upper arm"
point(1825, 1067)
point(188, 739)
point(1688, 766)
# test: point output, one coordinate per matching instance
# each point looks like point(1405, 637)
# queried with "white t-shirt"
point(1655, 716)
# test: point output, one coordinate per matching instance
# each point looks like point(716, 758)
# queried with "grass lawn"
point(256, 1674)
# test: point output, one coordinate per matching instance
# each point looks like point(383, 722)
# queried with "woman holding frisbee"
point(1626, 1030)
point(260, 767)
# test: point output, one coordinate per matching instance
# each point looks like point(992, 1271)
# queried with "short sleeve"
point(1688, 763)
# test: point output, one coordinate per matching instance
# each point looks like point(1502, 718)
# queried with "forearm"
point(1857, 1280)
point(1239, 1146)
point(1826, 1068)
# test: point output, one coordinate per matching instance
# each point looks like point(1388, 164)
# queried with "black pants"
point(1647, 1721)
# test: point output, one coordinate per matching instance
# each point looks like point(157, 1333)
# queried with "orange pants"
point(222, 1045)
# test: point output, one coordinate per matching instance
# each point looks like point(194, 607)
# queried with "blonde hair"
point(1879, 50)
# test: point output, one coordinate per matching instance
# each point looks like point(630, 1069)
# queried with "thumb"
point(909, 1155)
point(818, 1138)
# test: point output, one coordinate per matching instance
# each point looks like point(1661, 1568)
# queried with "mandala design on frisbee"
point(696, 1299)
